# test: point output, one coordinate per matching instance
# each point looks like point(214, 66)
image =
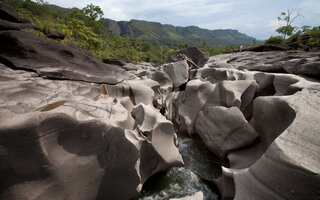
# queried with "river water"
point(183, 181)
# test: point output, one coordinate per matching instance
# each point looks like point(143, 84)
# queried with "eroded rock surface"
point(292, 62)
point(178, 72)
point(49, 58)
point(74, 127)
point(61, 139)
point(283, 163)
point(224, 129)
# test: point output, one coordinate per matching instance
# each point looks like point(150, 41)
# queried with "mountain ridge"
point(166, 34)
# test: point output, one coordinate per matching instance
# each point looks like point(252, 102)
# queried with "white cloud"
point(249, 25)
point(312, 6)
point(275, 24)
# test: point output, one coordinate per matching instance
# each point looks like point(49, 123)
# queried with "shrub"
point(314, 38)
point(274, 40)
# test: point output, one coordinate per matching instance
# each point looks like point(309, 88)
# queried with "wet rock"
point(196, 196)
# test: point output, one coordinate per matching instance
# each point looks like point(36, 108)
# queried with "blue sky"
point(256, 18)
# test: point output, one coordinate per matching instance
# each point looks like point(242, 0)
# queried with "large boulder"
point(224, 129)
point(158, 131)
point(194, 98)
point(198, 56)
point(178, 72)
point(199, 94)
point(23, 50)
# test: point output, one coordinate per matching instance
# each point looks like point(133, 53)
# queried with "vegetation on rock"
point(304, 37)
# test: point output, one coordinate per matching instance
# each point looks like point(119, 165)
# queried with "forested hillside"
point(157, 33)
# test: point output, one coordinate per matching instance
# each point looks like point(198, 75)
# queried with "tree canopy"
point(92, 11)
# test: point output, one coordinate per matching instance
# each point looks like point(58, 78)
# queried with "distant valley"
point(163, 34)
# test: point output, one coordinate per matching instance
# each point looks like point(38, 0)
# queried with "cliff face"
point(157, 33)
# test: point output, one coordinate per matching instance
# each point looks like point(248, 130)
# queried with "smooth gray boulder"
point(199, 94)
point(178, 72)
point(224, 130)
point(157, 131)
point(194, 98)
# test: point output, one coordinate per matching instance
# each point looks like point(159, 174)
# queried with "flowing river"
point(183, 181)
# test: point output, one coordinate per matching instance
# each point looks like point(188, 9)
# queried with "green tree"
point(204, 44)
point(288, 17)
point(92, 11)
point(305, 29)
point(83, 35)
point(274, 40)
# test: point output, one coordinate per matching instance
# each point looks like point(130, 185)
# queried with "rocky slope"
point(72, 127)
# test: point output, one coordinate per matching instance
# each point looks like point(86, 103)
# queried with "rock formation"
point(198, 56)
point(178, 72)
point(72, 126)
point(63, 135)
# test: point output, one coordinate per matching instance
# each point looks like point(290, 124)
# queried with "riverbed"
point(183, 181)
